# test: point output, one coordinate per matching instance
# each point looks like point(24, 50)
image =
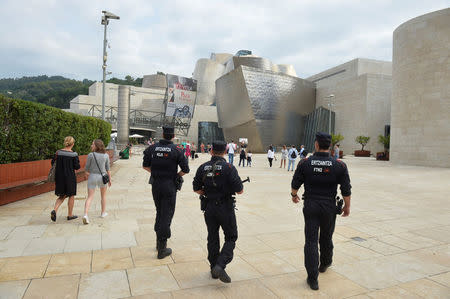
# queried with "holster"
point(179, 182)
point(339, 204)
point(203, 202)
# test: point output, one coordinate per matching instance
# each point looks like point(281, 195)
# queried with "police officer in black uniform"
point(320, 175)
point(162, 160)
point(218, 181)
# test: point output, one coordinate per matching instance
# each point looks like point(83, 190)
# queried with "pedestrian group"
point(217, 182)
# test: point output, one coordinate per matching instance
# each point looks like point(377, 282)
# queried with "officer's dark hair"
point(221, 153)
point(323, 144)
point(168, 136)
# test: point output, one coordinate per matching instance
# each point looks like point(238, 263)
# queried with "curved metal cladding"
point(206, 72)
point(251, 61)
point(287, 69)
point(420, 108)
point(266, 107)
point(123, 114)
point(221, 57)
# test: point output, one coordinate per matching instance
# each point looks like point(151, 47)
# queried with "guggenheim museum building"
point(242, 95)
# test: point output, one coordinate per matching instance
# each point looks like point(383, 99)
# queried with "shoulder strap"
point(93, 153)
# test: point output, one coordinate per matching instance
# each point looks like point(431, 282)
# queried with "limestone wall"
point(420, 131)
point(362, 106)
point(141, 98)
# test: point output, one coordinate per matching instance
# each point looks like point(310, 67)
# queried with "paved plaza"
point(394, 244)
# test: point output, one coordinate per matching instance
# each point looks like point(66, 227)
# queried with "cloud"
point(65, 37)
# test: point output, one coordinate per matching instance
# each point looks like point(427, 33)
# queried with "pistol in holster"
point(203, 202)
point(339, 205)
point(179, 182)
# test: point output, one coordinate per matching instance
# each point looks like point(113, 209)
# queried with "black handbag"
point(105, 177)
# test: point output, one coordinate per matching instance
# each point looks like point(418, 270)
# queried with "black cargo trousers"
point(320, 215)
point(220, 214)
point(164, 195)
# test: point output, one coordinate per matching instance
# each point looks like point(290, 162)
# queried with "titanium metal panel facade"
point(263, 106)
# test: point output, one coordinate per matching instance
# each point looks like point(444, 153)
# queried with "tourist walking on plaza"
point(242, 157)
point(292, 156)
point(67, 162)
point(162, 160)
point(270, 155)
point(97, 166)
point(320, 174)
point(193, 150)
point(188, 150)
point(231, 148)
point(302, 152)
point(202, 148)
point(284, 154)
point(249, 158)
point(336, 151)
point(218, 181)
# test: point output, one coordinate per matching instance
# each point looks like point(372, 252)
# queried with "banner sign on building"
point(181, 94)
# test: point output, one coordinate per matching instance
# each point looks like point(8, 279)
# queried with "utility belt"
point(178, 180)
point(338, 201)
point(317, 197)
point(204, 200)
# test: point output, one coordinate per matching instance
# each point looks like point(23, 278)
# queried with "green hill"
point(55, 91)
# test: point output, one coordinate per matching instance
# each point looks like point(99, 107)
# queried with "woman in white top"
point(270, 155)
point(284, 154)
point(97, 165)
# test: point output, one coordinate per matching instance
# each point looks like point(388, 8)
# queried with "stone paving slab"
point(395, 244)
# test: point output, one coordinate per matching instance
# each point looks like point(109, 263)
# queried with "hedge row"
point(31, 131)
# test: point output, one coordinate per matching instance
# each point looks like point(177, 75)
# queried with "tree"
point(385, 141)
point(335, 139)
point(363, 140)
point(53, 91)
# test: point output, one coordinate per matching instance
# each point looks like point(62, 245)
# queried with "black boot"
point(213, 275)
point(220, 272)
point(163, 251)
point(323, 268)
point(313, 284)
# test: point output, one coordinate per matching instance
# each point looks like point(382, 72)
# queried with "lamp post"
point(105, 21)
point(330, 97)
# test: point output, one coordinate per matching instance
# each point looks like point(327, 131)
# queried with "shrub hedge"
point(31, 131)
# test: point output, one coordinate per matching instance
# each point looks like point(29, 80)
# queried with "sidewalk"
point(394, 244)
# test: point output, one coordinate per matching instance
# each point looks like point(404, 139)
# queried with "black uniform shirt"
point(225, 177)
point(164, 158)
point(321, 174)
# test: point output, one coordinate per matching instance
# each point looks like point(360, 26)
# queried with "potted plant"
point(363, 140)
point(335, 139)
point(384, 140)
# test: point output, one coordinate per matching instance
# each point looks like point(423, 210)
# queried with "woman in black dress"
point(67, 162)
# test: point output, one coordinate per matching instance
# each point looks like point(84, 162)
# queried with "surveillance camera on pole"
point(110, 15)
point(105, 21)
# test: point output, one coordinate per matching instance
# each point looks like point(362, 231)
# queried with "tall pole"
point(105, 57)
point(329, 120)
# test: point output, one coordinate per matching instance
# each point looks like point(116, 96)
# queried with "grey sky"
point(64, 37)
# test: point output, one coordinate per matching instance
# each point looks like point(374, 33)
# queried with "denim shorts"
point(95, 180)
